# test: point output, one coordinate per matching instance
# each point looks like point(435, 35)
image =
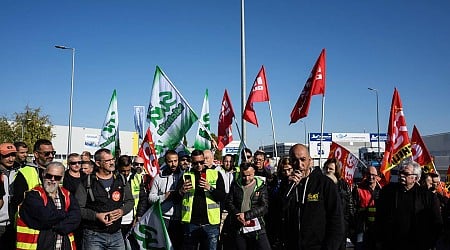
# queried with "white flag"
point(169, 115)
point(150, 232)
point(139, 117)
point(109, 137)
point(202, 139)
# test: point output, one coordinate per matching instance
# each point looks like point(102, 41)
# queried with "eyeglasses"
point(259, 159)
point(50, 177)
point(47, 154)
point(76, 162)
point(198, 163)
point(138, 164)
point(185, 159)
point(108, 161)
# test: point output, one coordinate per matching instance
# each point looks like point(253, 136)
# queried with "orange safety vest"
point(367, 203)
point(27, 238)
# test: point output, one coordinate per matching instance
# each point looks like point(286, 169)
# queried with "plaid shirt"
point(59, 238)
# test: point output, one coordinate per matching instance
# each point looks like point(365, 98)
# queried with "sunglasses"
point(50, 177)
point(46, 154)
point(198, 163)
point(76, 162)
point(138, 164)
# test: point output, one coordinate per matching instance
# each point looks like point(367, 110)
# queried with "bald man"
point(209, 159)
point(313, 206)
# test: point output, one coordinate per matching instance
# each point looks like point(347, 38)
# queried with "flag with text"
point(202, 139)
point(398, 147)
point(109, 137)
point(348, 161)
point(420, 152)
point(169, 115)
point(258, 93)
point(150, 231)
point(224, 131)
point(315, 85)
point(148, 153)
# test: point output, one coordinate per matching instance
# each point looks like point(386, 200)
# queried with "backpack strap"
point(89, 189)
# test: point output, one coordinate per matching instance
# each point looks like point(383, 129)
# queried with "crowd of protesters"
point(242, 203)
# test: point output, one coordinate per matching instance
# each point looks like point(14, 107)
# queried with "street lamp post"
point(69, 137)
point(378, 122)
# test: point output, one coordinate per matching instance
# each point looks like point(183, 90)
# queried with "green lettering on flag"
point(202, 139)
point(169, 115)
point(151, 232)
point(109, 137)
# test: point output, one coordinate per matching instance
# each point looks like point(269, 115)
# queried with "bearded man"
point(49, 214)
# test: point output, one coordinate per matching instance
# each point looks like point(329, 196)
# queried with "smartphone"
point(203, 175)
point(187, 178)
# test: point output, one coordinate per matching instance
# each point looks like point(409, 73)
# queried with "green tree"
point(6, 132)
point(27, 126)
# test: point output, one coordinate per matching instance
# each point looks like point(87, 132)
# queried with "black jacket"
point(49, 220)
point(258, 206)
point(347, 204)
point(314, 221)
point(119, 196)
point(407, 219)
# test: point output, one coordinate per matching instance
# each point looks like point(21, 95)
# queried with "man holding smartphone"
point(247, 203)
point(201, 192)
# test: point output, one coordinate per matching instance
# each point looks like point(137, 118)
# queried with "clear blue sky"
point(378, 44)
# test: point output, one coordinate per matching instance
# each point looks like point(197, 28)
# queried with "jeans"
point(93, 240)
point(206, 235)
point(252, 240)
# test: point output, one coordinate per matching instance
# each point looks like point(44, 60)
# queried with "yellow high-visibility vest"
point(212, 207)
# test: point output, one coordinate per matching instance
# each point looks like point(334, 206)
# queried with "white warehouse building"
point(86, 139)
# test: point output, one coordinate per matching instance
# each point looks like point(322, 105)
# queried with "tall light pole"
point(69, 137)
point(304, 123)
point(243, 73)
point(378, 122)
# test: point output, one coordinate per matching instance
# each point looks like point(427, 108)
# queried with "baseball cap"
point(7, 148)
point(182, 154)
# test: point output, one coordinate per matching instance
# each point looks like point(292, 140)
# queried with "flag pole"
point(321, 131)
point(242, 141)
point(243, 82)
point(239, 132)
point(273, 134)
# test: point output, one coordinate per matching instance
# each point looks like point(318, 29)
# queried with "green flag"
point(150, 232)
point(202, 139)
point(109, 137)
point(169, 115)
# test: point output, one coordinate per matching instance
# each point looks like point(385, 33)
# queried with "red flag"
point(398, 146)
point(315, 85)
point(348, 161)
point(224, 135)
point(420, 152)
point(259, 93)
point(148, 153)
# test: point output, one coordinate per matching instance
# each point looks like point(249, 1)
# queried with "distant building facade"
point(86, 139)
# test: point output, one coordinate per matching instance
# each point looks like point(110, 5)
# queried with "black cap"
point(182, 154)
